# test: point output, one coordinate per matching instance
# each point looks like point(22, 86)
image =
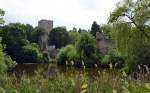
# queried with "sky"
point(69, 13)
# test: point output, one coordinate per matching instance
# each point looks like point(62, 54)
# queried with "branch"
point(138, 27)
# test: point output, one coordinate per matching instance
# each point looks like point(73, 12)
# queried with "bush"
point(68, 53)
point(14, 91)
point(2, 90)
point(84, 50)
point(114, 58)
point(86, 45)
point(9, 62)
point(30, 53)
point(5, 61)
point(141, 57)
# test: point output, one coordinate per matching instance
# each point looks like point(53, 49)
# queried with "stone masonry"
point(103, 44)
point(47, 26)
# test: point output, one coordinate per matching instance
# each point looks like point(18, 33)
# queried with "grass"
point(44, 82)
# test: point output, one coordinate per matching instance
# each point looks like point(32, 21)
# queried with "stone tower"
point(47, 26)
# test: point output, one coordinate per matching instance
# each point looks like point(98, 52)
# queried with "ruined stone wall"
point(103, 45)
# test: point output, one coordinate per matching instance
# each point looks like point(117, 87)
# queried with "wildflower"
point(110, 66)
point(72, 63)
point(14, 91)
point(83, 67)
point(37, 91)
point(95, 65)
point(66, 62)
point(82, 63)
point(72, 82)
point(139, 67)
point(99, 72)
point(124, 74)
point(114, 91)
point(147, 69)
point(147, 85)
point(83, 91)
point(125, 90)
point(2, 90)
point(84, 86)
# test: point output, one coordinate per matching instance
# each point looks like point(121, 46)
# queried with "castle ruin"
point(102, 44)
point(46, 26)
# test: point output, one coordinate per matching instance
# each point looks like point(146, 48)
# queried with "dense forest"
point(125, 68)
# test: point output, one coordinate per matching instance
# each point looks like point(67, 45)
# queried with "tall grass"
point(107, 81)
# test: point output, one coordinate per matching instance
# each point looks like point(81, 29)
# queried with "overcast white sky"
point(69, 13)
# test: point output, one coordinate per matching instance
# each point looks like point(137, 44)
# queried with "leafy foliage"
point(131, 29)
point(59, 37)
point(114, 58)
point(68, 53)
point(1, 16)
point(86, 45)
point(30, 53)
point(95, 28)
point(74, 35)
point(15, 37)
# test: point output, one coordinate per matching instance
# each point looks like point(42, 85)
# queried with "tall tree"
point(15, 37)
point(86, 45)
point(1, 16)
point(95, 28)
point(136, 13)
point(59, 37)
point(5, 60)
point(131, 21)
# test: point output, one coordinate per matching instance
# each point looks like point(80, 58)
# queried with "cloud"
point(69, 13)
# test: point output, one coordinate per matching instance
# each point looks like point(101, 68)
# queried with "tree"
point(130, 20)
point(86, 49)
point(74, 36)
point(15, 38)
point(134, 13)
point(59, 37)
point(86, 45)
point(29, 31)
point(1, 16)
point(68, 53)
point(30, 53)
point(95, 28)
point(108, 31)
point(5, 61)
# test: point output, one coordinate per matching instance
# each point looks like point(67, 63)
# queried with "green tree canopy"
point(86, 45)
point(15, 37)
point(130, 22)
point(59, 37)
point(95, 28)
point(1, 16)
point(6, 62)
point(136, 13)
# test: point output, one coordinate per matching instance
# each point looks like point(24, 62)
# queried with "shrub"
point(9, 62)
point(68, 53)
point(86, 45)
point(114, 58)
point(141, 57)
point(2, 90)
point(14, 91)
point(30, 53)
point(5, 61)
